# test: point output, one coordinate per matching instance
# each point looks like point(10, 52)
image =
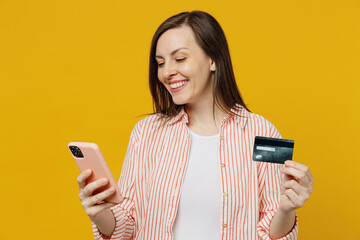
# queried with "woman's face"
point(183, 67)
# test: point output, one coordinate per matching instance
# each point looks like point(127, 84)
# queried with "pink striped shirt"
point(154, 169)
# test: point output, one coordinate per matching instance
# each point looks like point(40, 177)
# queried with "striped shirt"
point(154, 168)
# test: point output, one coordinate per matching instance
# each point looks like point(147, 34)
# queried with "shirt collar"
point(182, 115)
point(238, 113)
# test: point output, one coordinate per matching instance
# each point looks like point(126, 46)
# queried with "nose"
point(169, 70)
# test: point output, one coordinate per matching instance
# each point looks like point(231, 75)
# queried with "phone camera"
point(76, 151)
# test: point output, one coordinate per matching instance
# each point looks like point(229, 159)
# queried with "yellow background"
point(77, 71)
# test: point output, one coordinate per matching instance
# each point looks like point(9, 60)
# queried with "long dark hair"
point(211, 38)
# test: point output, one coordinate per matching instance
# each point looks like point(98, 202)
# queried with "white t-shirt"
point(199, 210)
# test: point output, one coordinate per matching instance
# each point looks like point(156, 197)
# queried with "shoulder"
point(257, 124)
point(148, 125)
point(259, 121)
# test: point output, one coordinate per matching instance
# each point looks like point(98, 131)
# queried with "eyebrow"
point(172, 53)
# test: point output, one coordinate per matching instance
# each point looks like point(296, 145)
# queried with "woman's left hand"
point(296, 187)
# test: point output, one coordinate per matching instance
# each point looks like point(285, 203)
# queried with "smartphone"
point(89, 156)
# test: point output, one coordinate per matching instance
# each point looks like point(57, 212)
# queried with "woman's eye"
point(180, 59)
point(160, 64)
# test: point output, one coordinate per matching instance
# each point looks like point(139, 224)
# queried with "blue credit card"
point(273, 150)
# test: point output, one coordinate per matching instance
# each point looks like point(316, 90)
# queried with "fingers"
point(95, 204)
point(301, 176)
point(94, 210)
point(299, 171)
point(295, 190)
point(91, 187)
point(294, 185)
point(81, 179)
point(302, 168)
point(100, 197)
point(296, 165)
point(303, 192)
point(295, 199)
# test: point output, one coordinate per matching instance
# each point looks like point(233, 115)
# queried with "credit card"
point(273, 150)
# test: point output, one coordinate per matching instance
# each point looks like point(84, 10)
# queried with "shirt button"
point(222, 138)
point(225, 194)
point(224, 225)
point(222, 164)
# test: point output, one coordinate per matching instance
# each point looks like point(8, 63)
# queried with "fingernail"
point(88, 171)
point(112, 189)
point(103, 180)
point(288, 162)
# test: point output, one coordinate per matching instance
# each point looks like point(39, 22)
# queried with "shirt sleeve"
point(124, 212)
point(269, 193)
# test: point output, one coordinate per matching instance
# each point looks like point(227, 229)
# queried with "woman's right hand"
point(93, 205)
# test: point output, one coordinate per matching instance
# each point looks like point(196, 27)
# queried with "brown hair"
point(211, 38)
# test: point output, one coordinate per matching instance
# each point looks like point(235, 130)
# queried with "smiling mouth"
point(177, 84)
point(175, 87)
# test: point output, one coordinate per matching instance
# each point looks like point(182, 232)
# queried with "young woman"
point(188, 172)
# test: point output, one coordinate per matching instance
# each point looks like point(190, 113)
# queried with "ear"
point(212, 65)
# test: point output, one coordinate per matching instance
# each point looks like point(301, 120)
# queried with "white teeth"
point(178, 84)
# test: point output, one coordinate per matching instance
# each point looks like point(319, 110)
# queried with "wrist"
point(286, 212)
point(282, 223)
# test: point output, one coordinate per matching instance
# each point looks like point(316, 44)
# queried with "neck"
point(204, 118)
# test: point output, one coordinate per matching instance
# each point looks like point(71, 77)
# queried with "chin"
point(179, 101)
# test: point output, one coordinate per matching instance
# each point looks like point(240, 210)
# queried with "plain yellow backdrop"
point(77, 71)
